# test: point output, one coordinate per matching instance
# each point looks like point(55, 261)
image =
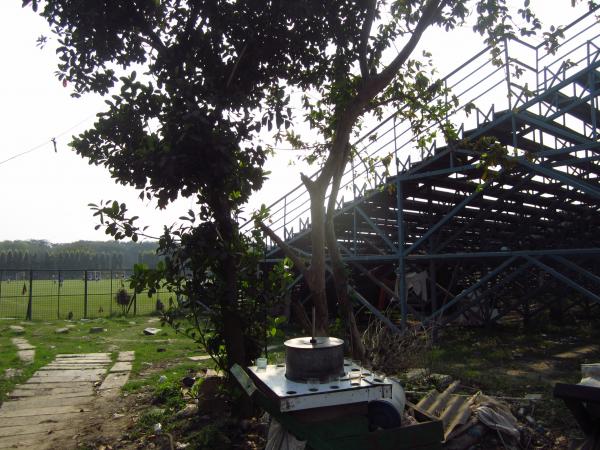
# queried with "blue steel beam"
point(377, 230)
point(427, 162)
point(507, 279)
point(482, 212)
point(452, 256)
point(566, 280)
point(481, 131)
point(543, 125)
point(363, 301)
point(562, 177)
point(472, 288)
point(378, 283)
point(401, 271)
point(589, 275)
point(448, 170)
point(446, 219)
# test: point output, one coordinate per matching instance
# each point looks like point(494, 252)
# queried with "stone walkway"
point(51, 403)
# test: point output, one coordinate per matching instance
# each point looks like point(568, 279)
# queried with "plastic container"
point(261, 363)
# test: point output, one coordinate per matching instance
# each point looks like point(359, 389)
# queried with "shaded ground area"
point(507, 361)
point(518, 364)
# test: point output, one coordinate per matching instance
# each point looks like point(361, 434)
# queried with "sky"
point(45, 193)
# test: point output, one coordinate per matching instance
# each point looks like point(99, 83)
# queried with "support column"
point(432, 268)
point(433, 291)
point(30, 302)
point(85, 294)
point(401, 271)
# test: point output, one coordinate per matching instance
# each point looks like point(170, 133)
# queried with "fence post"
point(30, 302)
point(85, 294)
point(59, 281)
point(111, 293)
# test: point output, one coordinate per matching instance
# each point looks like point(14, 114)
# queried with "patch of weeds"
point(169, 395)
point(210, 437)
point(148, 419)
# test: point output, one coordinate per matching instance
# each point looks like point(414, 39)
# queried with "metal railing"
point(483, 89)
point(73, 294)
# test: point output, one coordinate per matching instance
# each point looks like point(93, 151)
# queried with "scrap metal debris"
point(468, 419)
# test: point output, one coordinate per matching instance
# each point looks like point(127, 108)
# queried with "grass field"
point(51, 300)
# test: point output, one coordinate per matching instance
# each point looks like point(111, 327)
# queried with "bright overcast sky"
point(45, 194)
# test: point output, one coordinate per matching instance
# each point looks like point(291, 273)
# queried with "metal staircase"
point(520, 241)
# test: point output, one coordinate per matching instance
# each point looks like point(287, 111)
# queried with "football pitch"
point(51, 299)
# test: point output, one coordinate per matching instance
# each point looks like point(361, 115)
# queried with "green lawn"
point(166, 349)
point(50, 300)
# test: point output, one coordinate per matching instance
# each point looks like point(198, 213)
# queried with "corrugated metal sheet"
point(453, 410)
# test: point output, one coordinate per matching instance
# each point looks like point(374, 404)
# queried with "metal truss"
point(524, 229)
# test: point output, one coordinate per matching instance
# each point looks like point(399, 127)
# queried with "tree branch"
point(379, 81)
point(235, 66)
point(289, 252)
point(364, 38)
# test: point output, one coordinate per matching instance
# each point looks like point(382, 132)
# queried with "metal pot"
point(321, 358)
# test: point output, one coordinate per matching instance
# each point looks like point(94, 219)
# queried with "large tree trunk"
point(233, 330)
point(340, 275)
point(232, 322)
point(316, 271)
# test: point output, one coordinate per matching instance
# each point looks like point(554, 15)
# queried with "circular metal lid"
point(322, 342)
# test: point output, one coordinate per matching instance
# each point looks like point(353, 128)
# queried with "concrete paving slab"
point(68, 372)
point(121, 367)
point(48, 410)
point(199, 358)
point(36, 441)
point(126, 356)
point(48, 407)
point(74, 367)
point(54, 393)
point(48, 385)
point(27, 356)
point(82, 355)
point(22, 344)
point(65, 379)
point(20, 430)
point(43, 402)
point(32, 420)
point(114, 381)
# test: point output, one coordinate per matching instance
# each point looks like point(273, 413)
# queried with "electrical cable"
point(49, 141)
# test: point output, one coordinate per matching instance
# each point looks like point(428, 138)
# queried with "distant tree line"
point(89, 255)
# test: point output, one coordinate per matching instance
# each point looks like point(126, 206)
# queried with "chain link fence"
point(74, 294)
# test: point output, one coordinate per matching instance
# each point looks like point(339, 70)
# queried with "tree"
point(210, 67)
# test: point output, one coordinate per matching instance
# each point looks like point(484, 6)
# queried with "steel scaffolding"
point(516, 241)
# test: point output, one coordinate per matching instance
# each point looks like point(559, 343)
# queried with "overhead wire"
point(51, 141)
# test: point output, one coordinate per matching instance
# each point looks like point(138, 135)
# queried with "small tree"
point(123, 298)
